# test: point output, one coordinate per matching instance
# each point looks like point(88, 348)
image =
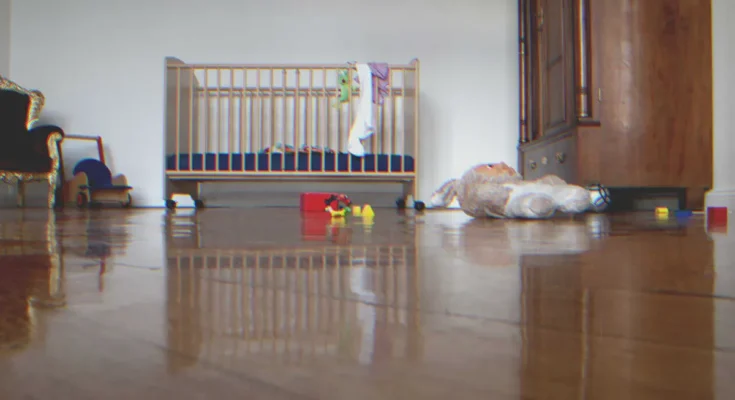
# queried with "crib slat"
point(192, 85)
point(231, 122)
point(351, 75)
point(218, 129)
point(250, 118)
point(272, 119)
point(392, 119)
point(416, 123)
point(245, 120)
point(177, 145)
point(309, 117)
point(261, 111)
point(297, 114)
point(403, 163)
point(284, 118)
point(325, 141)
point(207, 127)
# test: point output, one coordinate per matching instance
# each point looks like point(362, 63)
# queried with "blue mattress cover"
point(285, 162)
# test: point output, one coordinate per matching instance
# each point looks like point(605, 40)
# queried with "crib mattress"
point(290, 162)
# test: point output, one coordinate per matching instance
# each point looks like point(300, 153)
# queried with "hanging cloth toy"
point(362, 127)
point(344, 85)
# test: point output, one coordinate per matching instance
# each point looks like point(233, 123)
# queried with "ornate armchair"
point(28, 153)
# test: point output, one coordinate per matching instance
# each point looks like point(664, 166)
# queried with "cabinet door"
point(553, 67)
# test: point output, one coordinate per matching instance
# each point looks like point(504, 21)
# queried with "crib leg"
point(410, 189)
point(196, 194)
point(192, 188)
point(169, 195)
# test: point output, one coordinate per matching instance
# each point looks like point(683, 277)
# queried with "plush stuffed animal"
point(498, 191)
point(344, 85)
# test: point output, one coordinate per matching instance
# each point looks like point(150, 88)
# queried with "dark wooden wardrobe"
point(618, 92)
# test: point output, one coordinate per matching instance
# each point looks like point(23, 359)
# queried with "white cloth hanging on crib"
point(362, 128)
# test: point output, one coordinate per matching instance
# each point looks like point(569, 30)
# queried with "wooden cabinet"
point(618, 92)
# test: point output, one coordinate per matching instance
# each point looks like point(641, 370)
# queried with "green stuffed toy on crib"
point(344, 84)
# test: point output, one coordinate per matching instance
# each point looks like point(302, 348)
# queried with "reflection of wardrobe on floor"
point(629, 319)
point(618, 92)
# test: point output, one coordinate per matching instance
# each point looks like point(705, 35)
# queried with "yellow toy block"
point(356, 211)
point(367, 211)
point(662, 211)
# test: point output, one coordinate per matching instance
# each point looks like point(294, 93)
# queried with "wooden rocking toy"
point(93, 183)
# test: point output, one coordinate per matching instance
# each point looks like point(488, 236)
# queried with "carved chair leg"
point(20, 194)
point(52, 182)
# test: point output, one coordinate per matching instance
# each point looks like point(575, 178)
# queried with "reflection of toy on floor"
point(93, 183)
point(322, 227)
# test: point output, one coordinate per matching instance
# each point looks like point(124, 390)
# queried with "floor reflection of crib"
point(355, 303)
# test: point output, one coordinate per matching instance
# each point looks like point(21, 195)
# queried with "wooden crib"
point(284, 123)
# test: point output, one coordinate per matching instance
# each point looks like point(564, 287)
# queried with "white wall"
point(723, 57)
point(723, 193)
point(107, 74)
point(724, 252)
point(5, 37)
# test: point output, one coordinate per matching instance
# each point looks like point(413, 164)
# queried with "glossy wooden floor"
point(264, 304)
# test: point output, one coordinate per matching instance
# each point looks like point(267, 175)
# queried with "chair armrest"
point(44, 140)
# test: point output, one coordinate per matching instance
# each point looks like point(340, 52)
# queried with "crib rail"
point(293, 304)
point(275, 120)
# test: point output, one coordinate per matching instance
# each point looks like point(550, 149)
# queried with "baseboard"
point(627, 199)
point(720, 198)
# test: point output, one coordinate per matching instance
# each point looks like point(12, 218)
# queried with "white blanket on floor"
point(362, 127)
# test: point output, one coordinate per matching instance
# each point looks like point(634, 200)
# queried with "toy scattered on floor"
point(599, 197)
point(356, 211)
point(717, 219)
point(336, 213)
point(344, 86)
point(94, 185)
point(367, 211)
point(684, 213)
point(315, 201)
point(338, 199)
point(343, 205)
point(662, 212)
point(499, 191)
